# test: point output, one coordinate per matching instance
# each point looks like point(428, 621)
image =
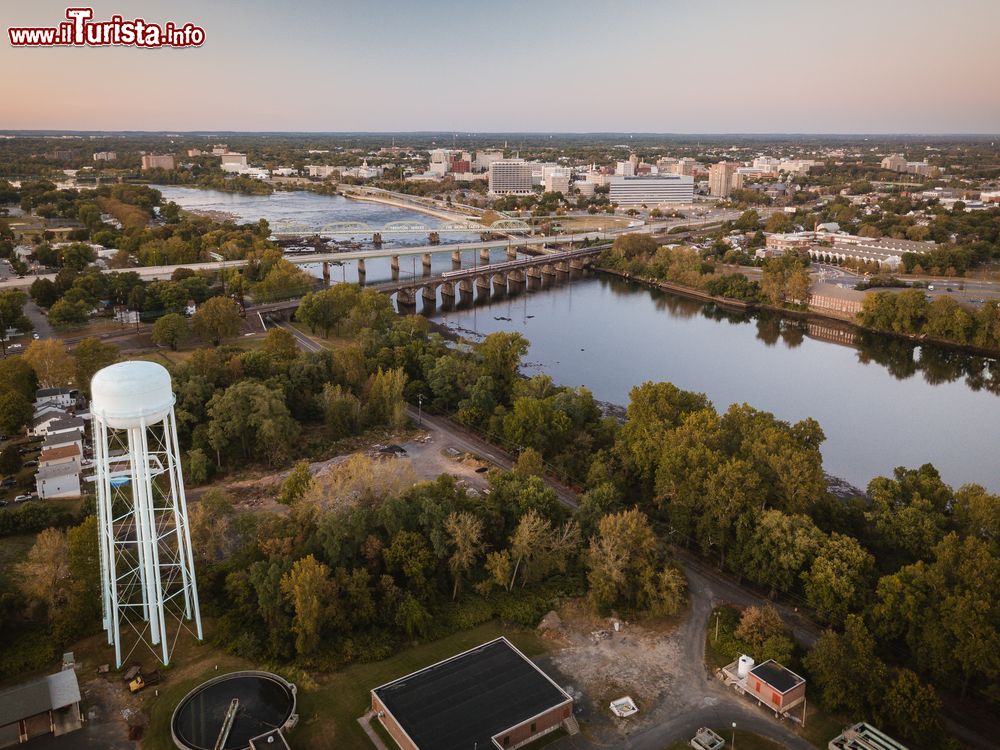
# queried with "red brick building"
point(489, 696)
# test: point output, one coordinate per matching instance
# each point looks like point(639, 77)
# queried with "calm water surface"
point(882, 403)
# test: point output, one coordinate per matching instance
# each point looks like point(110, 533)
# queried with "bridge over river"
point(466, 284)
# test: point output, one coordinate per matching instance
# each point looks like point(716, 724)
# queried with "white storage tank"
point(744, 666)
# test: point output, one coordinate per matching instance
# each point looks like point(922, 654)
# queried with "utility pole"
point(420, 410)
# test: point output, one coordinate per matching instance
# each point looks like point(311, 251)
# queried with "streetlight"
point(734, 735)
point(420, 410)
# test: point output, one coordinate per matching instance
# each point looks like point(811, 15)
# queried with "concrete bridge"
point(292, 230)
point(509, 277)
point(467, 284)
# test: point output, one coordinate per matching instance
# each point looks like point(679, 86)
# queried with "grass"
point(328, 704)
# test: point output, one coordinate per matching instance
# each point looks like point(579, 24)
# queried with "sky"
point(663, 66)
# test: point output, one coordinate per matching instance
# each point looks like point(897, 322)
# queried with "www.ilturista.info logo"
point(80, 31)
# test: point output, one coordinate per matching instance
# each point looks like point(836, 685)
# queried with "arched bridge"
point(291, 229)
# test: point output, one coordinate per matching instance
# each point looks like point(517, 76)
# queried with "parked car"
point(22, 451)
point(8, 482)
point(22, 498)
point(3, 503)
point(32, 462)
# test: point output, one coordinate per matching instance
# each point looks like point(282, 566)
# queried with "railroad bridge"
point(509, 277)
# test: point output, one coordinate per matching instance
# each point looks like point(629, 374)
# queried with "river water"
point(881, 402)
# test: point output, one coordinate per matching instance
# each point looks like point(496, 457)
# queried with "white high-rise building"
point(510, 177)
point(485, 158)
point(651, 190)
point(557, 180)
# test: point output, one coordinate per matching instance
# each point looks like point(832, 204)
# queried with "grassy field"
point(328, 704)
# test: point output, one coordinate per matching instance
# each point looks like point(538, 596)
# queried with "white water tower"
point(149, 591)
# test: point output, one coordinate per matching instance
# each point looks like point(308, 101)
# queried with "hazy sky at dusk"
point(916, 66)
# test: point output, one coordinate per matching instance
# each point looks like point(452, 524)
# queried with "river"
point(881, 402)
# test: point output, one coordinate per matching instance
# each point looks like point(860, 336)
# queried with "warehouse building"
point(491, 696)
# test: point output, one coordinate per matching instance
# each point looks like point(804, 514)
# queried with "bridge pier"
point(511, 252)
point(406, 301)
point(361, 271)
point(429, 293)
point(465, 292)
point(447, 295)
point(499, 283)
point(427, 264)
point(515, 282)
point(482, 286)
point(456, 259)
point(326, 273)
point(484, 255)
point(562, 267)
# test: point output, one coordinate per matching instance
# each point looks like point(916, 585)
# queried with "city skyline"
point(678, 67)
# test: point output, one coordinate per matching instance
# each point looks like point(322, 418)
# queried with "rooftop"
point(57, 454)
point(777, 676)
point(46, 693)
point(464, 701)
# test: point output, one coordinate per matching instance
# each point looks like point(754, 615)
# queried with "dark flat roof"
point(777, 676)
point(462, 702)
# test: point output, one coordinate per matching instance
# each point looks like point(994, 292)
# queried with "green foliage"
point(171, 331)
point(15, 412)
point(216, 320)
point(92, 355)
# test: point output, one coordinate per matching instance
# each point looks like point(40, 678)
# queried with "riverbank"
point(812, 314)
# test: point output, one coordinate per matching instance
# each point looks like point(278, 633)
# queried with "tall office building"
point(510, 177)
point(153, 161)
point(720, 179)
point(651, 190)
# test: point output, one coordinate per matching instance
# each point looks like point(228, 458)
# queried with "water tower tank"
point(148, 587)
point(744, 667)
point(127, 393)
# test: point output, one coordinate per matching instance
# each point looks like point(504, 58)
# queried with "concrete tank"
point(744, 667)
point(127, 394)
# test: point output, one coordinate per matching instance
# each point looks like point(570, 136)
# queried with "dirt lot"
point(427, 453)
point(598, 664)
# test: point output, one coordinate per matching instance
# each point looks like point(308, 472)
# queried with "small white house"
point(57, 481)
point(61, 397)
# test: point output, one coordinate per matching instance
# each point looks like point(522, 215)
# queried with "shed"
point(48, 704)
point(777, 686)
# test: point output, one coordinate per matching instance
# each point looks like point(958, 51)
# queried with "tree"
point(296, 484)
point(210, 521)
point(172, 331)
point(624, 566)
point(216, 320)
point(537, 547)
point(846, 670)
point(840, 578)
point(341, 411)
point(500, 357)
point(44, 292)
point(307, 588)
point(16, 374)
point(51, 362)
point(43, 574)
point(465, 537)
point(250, 418)
point(910, 708)
point(529, 464)
point(409, 555)
point(280, 345)
point(283, 280)
point(68, 313)
point(748, 221)
point(778, 222)
point(10, 460)
point(92, 355)
point(318, 310)
point(384, 398)
point(764, 632)
point(15, 412)
point(630, 246)
point(779, 547)
point(12, 303)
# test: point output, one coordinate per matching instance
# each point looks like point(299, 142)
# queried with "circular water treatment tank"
point(126, 393)
point(266, 702)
